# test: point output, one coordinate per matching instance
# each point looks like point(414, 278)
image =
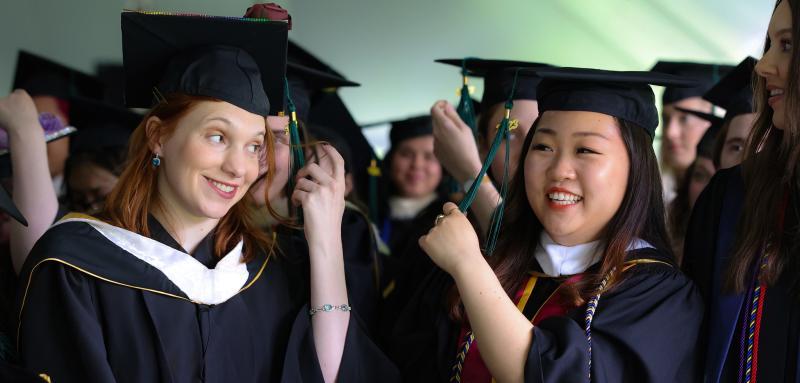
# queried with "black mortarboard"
point(734, 92)
point(238, 60)
point(101, 125)
point(705, 148)
point(43, 77)
point(305, 81)
point(112, 75)
point(625, 95)
point(299, 55)
point(498, 78)
point(705, 75)
point(410, 128)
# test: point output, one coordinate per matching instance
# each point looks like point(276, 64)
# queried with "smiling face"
point(209, 161)
point(415, 170)
point(775, 64)
point(576, 174)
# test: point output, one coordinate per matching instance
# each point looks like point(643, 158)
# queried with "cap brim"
point(481, 67)
point(605, 76)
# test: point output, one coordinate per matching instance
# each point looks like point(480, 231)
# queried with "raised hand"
point(454, 143)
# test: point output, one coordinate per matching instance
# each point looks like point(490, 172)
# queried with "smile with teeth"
point(776, 92)
point(560, 198)
point(222, 187)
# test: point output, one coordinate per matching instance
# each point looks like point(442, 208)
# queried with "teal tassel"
point(297, 158)
point(465, 109)
point(469, 198)
point(497, 215)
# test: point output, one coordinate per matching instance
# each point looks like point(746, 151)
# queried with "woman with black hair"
point(582, 284)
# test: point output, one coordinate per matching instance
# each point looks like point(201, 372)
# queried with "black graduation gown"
point(90, 311)
point(643, 330)
point(408, 265)
point(363, 263)
point(708, 247)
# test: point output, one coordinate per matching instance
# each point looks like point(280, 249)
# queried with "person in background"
point(97, 155)
point(413, 182)
point(698, 175)
point(681, 131)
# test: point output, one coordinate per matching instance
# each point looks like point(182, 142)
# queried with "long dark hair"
point(641, 215)
point(769, 170)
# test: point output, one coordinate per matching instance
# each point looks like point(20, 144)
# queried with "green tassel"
point(466, 111)
point(297, 158)
point(469, 198)
point(497, 215)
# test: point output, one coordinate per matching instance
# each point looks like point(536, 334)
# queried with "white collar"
point(199, 283)
point(408, 208)
point(557, 260)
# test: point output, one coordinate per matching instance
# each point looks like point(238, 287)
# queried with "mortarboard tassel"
point(466, 109)
point(297, 157)
point(502, 134)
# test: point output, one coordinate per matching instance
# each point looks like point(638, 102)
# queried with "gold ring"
point(438, 219)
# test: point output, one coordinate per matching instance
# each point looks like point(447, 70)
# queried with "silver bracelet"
point(326, 308)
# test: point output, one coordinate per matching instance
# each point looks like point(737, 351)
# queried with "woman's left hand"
point(319, 189)
point(452, 242)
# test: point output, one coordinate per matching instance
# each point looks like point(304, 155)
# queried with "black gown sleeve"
point(362, 360)
point(60, 332)
point(644, 330)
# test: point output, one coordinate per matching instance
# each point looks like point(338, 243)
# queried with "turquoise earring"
point(156, 161)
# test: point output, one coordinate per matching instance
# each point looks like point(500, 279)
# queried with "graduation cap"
point(40, 76)
point(625, 95)
point(305, 81)
point(238, 60)
point(705, 75)
point(101, 125)
point(498, 79)
point(299, 55)
point(112, 74)
point(409, 128)
point(705, 147)
point(734, 92)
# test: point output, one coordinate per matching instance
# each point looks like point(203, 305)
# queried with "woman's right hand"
point(454, 143)
point(18, 112)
